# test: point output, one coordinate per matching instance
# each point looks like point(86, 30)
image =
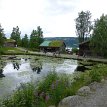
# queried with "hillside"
point(69, 41)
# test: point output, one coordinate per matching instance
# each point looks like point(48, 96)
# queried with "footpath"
point(68, 56)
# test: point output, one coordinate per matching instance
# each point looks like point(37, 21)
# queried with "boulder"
point(84, 91)
point(95, 85)
point(71, 101)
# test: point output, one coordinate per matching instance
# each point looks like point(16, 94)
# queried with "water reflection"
point(1, 73)
point(16, 66)
point(26, 69)
point(37, 69)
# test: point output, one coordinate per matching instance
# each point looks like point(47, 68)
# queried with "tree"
point(83, 25)
point(33, 39)
point(99, 36)
point(39, 32)
point(36, 38)
point(16, 35)
point(39, 38)
point(25, 41)
point(2, 36)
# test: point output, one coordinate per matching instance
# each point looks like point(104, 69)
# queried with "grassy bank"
point(53, 88)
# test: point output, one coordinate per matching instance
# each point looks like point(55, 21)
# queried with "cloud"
point(55, 7)
point(56, 17)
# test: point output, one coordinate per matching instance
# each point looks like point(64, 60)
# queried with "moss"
point(56, 43)
point(10, 40)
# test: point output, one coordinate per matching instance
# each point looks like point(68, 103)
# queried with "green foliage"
point(95, 75)
point(1, 51)
point(25, 41)
point(11, 50)
point(56, 43)
point(75, 50)
point(36, 38)
point(98, 72)
point(2, 36)
point(83, 25)
point(54, 87)
point(99, 36)
point(23, 97)
point(39, 32)
point(16, 35)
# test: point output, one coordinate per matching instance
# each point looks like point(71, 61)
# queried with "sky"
point(55, 17)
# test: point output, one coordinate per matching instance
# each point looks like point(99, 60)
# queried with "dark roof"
point(84, 42)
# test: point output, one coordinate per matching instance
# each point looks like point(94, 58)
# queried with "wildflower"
point(47, 97)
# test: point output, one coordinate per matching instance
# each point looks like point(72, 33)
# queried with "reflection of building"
point(10, 43)
point(84, 48)
point(53, 46)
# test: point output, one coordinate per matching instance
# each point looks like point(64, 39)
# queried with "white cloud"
point(56, 17)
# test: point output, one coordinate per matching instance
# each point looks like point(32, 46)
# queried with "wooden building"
point(10, 43)
point(53, 46)
point(85, 49)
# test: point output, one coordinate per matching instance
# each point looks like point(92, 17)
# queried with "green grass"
point(53, 88)
point(11, 51)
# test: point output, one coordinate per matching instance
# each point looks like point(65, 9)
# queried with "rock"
point(84, 91)
point(71, 101)
point(95, 85)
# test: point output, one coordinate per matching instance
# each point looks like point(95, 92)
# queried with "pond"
point(28, 68)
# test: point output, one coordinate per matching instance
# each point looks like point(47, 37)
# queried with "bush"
point(75, 50)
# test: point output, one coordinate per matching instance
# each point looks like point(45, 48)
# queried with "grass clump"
point(23, 97)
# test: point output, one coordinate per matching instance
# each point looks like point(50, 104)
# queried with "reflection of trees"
point(16, 66)
point(1, 73)
point(37, 67)
point(2, 64)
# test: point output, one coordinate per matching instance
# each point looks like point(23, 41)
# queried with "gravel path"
point(98, 97)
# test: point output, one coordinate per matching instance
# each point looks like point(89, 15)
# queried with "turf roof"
point(54, 43)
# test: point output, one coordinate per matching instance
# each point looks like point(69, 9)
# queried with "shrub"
point(75, 50)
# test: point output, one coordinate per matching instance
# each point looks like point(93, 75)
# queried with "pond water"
point(27, 68)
